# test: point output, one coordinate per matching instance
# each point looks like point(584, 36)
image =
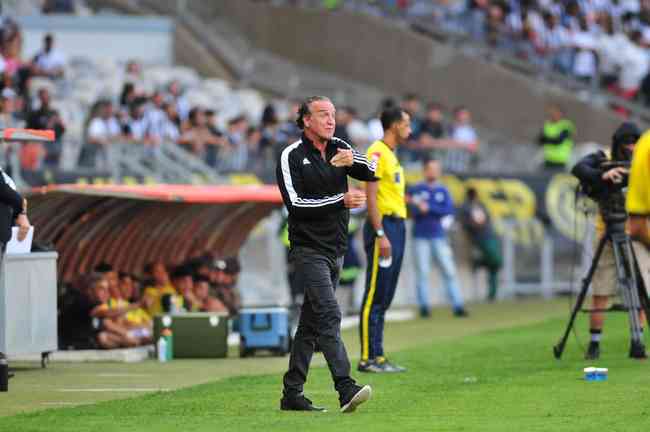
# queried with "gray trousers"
point(320, 321)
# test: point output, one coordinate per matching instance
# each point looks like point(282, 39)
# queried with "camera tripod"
point(634, 294)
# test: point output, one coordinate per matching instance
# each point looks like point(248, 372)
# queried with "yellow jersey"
point(157, 293)
point(136, 317)
point(638, 190)
point(391, 185)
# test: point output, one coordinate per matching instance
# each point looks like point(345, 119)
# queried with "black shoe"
point(593, 351)
point(11, 375)
point(425, 312)
point(388, 366)
point(298, 403)
point(354, 397)
point(370, 366)
point(460, 313)
point(637, 351)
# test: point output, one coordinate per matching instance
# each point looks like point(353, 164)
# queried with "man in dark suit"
point(13, 212)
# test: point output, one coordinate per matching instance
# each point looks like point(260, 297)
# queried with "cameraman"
point(607, 185)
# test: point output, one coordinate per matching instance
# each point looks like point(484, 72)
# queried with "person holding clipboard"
point(13, 212)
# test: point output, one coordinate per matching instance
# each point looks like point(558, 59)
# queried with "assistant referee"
point(312, 174)
point(384, 237)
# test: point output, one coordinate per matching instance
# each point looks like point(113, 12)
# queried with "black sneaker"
point(388, 366)
point(460, 313)
point(637, 351)
point(593, 351)
point(370, 366)
point(425, 312)
point(353, 397)
point(298, 403)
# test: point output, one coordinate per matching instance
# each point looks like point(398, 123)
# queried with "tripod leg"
point(641, 286)
point(558, 349)
point(626, 277)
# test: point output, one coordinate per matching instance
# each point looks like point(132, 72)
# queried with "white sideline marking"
point(66, 403)
point(113, 390)
point(121, 375)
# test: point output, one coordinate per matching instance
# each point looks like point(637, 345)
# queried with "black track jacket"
point(312, 190)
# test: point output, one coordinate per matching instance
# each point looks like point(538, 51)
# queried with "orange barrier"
point(128, 226)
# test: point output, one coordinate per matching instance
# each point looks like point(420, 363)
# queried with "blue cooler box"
point(264, 329)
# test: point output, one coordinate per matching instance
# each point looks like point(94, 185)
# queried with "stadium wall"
point(397, 60)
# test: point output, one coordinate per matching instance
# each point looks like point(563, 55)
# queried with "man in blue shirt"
point(433, 210)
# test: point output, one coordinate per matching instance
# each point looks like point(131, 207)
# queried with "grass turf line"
point(514, 384)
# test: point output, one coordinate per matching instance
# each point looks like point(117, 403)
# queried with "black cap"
point(626, 133)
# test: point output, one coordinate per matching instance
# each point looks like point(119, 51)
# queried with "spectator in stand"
point(9, 117)
point(431, 140)
point(161, 296)
point(128, 96)
point(343, 119)
point(270, 134)
point(156, 118)
point(58, 6)
point(175, 96)
point(466, 142)
point(137, 127)
point(49, 62)
point(633, 66)
point(555, 40)
point(103, 130)
point(236, 134)
point(585, 61)
point(477, 224)
point(11, 47)
point(557, 139)
point(47, 118)
point(375, 130)
point(197, 136)
point(253, 143)
point(409, 152)
point(133, 74)
point(170, 130)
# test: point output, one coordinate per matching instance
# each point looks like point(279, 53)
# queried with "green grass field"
point(491, 372)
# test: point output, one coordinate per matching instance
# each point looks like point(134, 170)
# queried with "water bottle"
point(161, 346)
point(601, 374)
point(169, 342)
point(590, 373)
point(385, 262)
point(4, 375)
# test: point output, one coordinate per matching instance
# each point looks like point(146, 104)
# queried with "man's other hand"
point(385, 249)
point(23, 226)
point(615, 175)
point(354, 198)
point(342, 158)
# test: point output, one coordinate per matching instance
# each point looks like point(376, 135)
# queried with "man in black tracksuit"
point(312, 176)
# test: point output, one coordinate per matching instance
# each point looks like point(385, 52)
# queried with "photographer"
point(605, 185)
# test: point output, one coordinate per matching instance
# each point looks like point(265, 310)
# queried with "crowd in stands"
point(111, 309)
point(23, 106)
point(600, 42)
